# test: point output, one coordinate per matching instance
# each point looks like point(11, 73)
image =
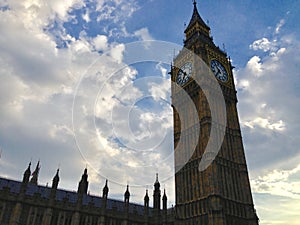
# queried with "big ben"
point(211, 177)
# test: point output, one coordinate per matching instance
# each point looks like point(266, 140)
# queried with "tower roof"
point(196, 18)
point(164, 196)
point(146, 198)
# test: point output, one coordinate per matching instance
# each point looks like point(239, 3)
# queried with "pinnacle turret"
point(156, 184)
point(105, 191)
point(127, 195)
point(55, 180)
point(83, 184)
point(146, 199)
point(27, 174)
point(156, 194)
point(35, 174)
point(165, 199)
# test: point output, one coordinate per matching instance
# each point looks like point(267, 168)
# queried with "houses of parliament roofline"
point(26, 202)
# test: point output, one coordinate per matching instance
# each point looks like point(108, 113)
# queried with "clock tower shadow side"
point(220, 194)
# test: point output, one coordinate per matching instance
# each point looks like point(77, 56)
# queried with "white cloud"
point(243, 84)
point(265, 123)
point(117, 52)
point(115, 13)
point(163, 70)
point(86, 16)
point(279, 182)
point(264, 44)
point(268, 91)
point(160, 91)
point(255, 66)
point(38, 81)
point(143, 34)
point(100, 43)
point(279, 26)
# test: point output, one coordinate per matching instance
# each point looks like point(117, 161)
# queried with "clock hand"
point(218, 71)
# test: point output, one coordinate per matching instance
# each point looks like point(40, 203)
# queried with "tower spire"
point(27, 174)
point(196, 24)
point(146, 199)
point(165, 199)
point(105, 190)
point(35, 174)
point(55, 180)
point(156, 194)
point(83, 183)
point(127, 195)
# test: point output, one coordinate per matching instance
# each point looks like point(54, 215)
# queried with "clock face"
point(184, 73)
point(219, 70)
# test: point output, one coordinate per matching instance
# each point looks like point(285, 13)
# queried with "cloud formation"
point(40, 77)
point(268, 91)
point(46, 48)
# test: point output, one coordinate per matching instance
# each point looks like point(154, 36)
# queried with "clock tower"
point(211, 177)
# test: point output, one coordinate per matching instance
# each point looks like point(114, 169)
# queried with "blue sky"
point(53, 51)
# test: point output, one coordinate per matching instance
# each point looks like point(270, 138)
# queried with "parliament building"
point(219, 194)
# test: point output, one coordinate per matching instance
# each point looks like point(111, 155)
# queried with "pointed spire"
point(164, 196)
point(55, 180)
point(127, 195)
point(196, 18)
point(156, 194)
point(27, 174)
point(105, 191)
point(165, 199)
point(156, 184)
point(83, 183)
point(146, 199)
point(35, 174)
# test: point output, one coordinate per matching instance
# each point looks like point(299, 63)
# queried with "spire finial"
point(195, 3)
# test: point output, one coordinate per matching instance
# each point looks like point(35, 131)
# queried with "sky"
point(78, 90)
